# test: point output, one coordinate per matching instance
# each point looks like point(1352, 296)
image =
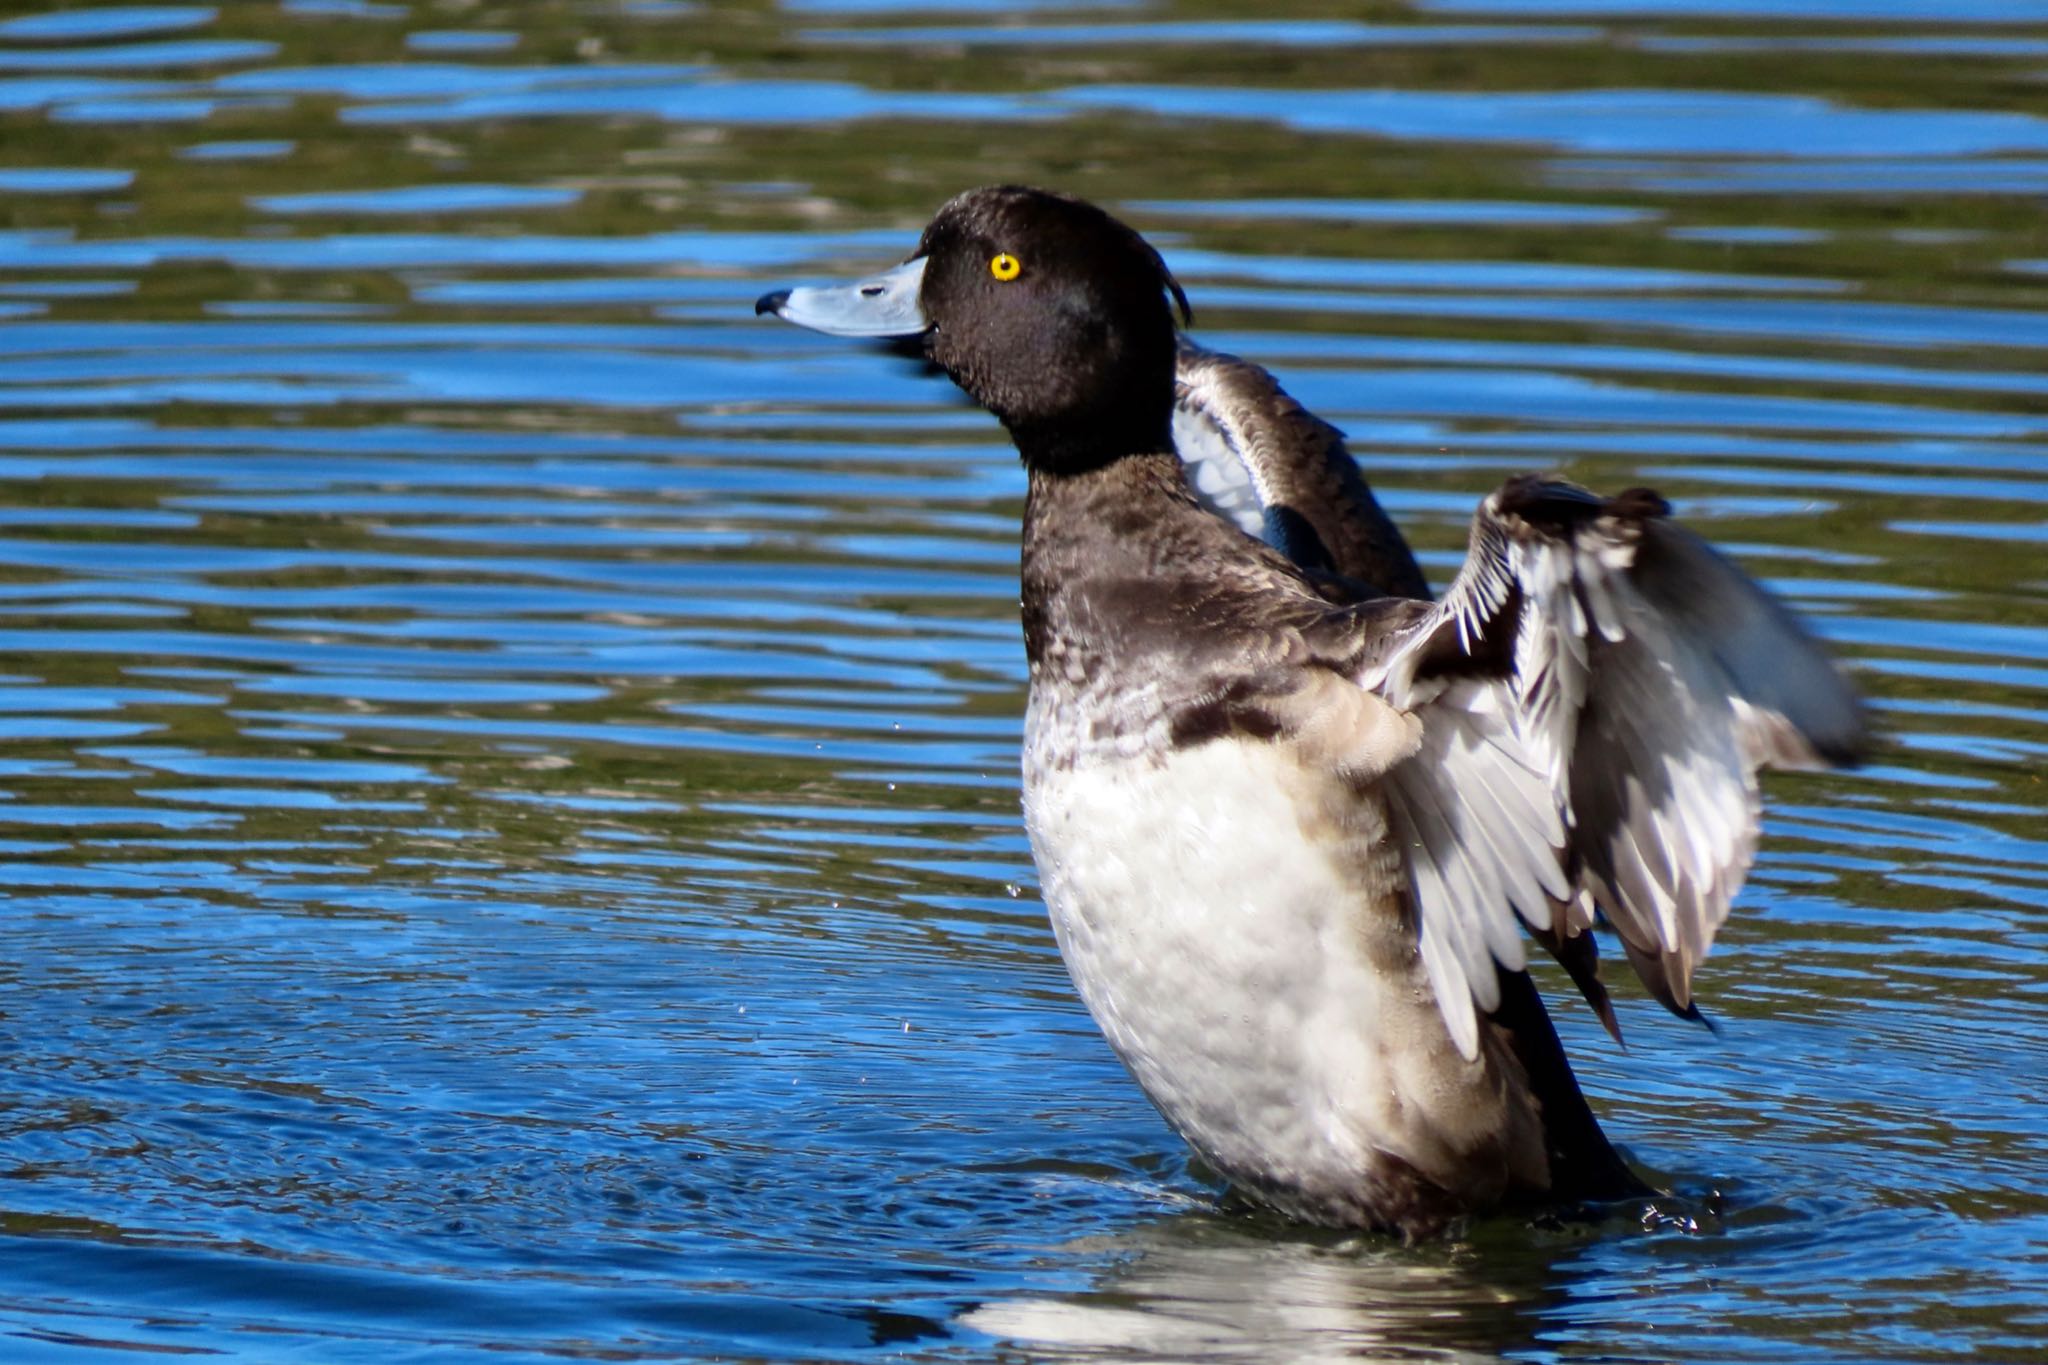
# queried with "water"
point(510, 842)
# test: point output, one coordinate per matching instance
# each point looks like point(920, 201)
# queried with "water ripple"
point(510, 805)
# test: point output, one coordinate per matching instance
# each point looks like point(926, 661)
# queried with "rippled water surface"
point(510, 832)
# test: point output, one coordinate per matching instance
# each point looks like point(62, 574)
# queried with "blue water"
point(508, 814)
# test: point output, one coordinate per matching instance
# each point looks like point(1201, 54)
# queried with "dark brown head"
point(1053, 315)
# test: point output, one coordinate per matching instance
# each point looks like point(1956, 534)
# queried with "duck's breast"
point(1231, 913)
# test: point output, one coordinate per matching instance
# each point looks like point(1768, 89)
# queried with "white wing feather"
point(1597, 689)
point(1586, 741)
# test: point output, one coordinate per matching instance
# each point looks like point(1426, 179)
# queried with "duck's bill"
point(883, 305)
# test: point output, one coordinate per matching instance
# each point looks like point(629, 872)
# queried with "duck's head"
point(1050, 313)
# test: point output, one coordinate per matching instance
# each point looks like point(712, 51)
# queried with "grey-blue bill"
point(884, 305)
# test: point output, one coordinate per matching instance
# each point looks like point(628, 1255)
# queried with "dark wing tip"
point(1538, 498)
point(1579, 955)
point(1669, 979)
point(1849, 742)
point(771, 303)
point(1555, 506)
point(1639, 504)
point(1767, 654)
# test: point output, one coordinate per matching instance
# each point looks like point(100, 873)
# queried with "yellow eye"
point(1004, 266)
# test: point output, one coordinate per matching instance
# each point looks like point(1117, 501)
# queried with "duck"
point(1297, 819)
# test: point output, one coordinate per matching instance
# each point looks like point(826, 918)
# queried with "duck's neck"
point(1113, 555)
point(1087, 525)
point(1094, 439)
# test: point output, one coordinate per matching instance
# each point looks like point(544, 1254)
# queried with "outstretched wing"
point(1598, 689)
point(1281, 473)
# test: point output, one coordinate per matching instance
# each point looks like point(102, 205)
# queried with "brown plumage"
point(1293, 820)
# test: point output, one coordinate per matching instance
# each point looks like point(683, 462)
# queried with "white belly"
point(1231, 920)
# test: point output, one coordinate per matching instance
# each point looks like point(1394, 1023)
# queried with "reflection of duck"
point(1191, 1287)
point(1289, 816)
